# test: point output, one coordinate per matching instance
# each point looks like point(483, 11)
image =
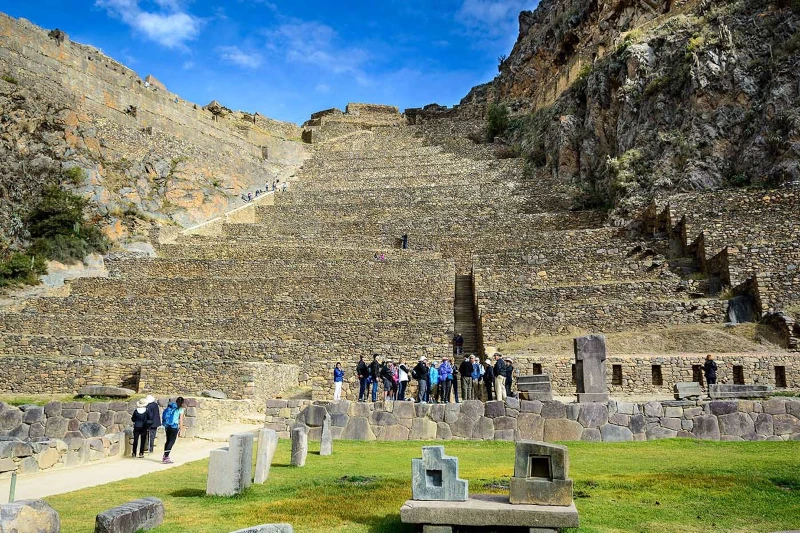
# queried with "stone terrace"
point(299, 285)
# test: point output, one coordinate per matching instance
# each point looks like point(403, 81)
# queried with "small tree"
point(496, 120)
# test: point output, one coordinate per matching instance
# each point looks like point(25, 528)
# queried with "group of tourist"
point(438, 382)
point(267, 188)
point(147, 418)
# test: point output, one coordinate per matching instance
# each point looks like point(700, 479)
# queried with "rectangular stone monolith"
point(299, 446)
point(721, 391)
point(326, 440)
point(541, 475)
point(136, 515)
point(435, 477)
point(267, 444)
point(590, 368)
point(686, 390)
point(230, 470)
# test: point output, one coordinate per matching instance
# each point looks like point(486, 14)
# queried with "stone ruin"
point(299, 446)
point(267, 444)
point(435, 477)
point(540, 494)
point(230, 470)
point(590, 368)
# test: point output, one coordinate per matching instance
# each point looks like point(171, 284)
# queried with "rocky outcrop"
point(624, 101)
point(142, 155)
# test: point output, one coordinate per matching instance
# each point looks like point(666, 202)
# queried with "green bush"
point(496, 120)
point(75, 175)
point(21, 269)
point(59, 230)
point(9, 78)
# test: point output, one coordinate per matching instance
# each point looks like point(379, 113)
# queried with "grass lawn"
point(676, 485)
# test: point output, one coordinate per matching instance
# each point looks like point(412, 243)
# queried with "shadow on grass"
point(188, 493)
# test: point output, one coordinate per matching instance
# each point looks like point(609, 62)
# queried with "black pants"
point(445, 388)
point(139, 438)
point(401, 391)
point(172, 436)
point(488, 383)
point(455, 387)
point(711, 380)
point(151, 438)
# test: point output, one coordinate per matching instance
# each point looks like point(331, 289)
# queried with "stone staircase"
point(465, 316)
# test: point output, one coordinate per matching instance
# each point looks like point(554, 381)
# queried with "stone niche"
point(541, 475)
point(434, 477)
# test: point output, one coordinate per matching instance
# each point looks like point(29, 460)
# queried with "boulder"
point(313, 416)
point(612, 433)
point(215, 394)
point(530, 426)
point(10, 419)
point(706, 427)
point(593, 415)
point(92, 429)
point(103, 390)
point(561, 429)
point(359, 429)
point(484, 429)
point(29, 516)
point(495, 409)
point(553, 410)
point(735, 424)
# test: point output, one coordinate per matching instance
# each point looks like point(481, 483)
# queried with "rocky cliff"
point(625, 100)
point(142, 154)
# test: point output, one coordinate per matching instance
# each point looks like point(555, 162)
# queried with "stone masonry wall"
point(777, 419)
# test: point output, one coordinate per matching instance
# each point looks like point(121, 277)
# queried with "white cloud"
point(188, 65)
point(492, 18)
point(171, 26)
point(239, 57)
point(322, 88)
point(317, 44)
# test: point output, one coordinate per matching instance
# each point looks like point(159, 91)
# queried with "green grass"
point(665, 486)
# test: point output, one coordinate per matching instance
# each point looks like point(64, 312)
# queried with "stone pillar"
point(590, 368)
point(299, 446)
point(326, 440)
point(230, 470)
point(267, 443)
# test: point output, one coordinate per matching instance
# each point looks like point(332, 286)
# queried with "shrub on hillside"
point(58, 229)
point(21, 269)
point(497, 120)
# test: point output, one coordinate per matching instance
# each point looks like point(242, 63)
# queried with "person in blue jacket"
point(338, 378)
point(433, 374)
point(445, 379)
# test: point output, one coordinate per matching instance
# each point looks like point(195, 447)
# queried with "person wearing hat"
point(152, 422)
point(139, 419)
point(488, 378)
point(499, 376)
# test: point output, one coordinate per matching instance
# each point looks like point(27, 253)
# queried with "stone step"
point(241, 329)
point(173, 350)
point(406, 266)
point(300, 288)
point(259, 251)
point(221, 306)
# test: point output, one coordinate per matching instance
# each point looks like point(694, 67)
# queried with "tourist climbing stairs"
point(465, 316)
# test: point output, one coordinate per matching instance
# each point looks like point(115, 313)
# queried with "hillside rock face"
point(624, 101)
point(145, 155)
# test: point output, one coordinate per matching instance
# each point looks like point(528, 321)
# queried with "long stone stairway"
point(464, 315)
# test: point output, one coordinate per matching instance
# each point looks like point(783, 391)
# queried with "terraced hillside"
point(254, 308)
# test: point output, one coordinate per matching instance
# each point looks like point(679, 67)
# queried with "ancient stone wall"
point(32, 457)
point(775, 420)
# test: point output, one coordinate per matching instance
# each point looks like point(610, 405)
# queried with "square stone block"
point(540, 491)
point(435, 477)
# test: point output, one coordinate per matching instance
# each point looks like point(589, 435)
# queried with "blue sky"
point(289, 59)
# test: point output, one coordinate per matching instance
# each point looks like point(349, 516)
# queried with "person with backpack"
point(488, 378)
point(139, 419)
point(387, 377)
point(509, 375)
point(420, 373)
point(402, 378)
point(375, 376)
point(172, 418)
point(362, 373)
point(338, 378)
point(152, 421)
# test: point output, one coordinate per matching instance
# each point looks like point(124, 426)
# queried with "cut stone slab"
point(103, 390)
point(435, 477)
point(267, 444)
point(267, 528)
point(687, 390)
point(215, 394)
point(326, 439)
point(590, 368)
point(488, 510)
point(230, 470)
point(29, 516)
point(137, 515)
point(722, 390)
point(299, 446)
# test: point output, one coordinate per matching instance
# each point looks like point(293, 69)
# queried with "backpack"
point(415, 373)
point(171, 417)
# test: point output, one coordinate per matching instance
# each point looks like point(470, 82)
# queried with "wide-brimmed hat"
point(142, 403)
point(488, 361)
point(150, 399)
point(423, 358)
